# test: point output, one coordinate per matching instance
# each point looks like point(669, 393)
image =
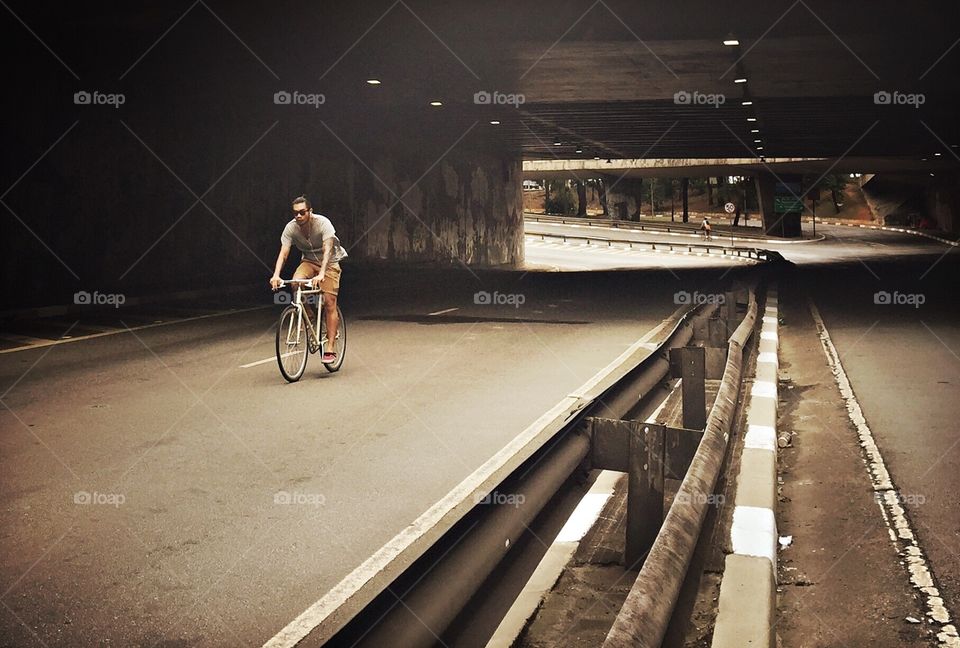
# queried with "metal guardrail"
point(710, 249)
point(438, 588)
point(673, 229)
point(537, 451)
point(643, 619)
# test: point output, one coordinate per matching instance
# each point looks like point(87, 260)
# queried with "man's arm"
point(281, 259)
point(327, 253)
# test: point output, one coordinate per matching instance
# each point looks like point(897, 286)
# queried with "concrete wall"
point(112, 192)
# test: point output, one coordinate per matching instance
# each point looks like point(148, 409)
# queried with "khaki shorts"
point(331, 280)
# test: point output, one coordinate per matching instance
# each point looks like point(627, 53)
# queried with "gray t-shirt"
point(311, 246)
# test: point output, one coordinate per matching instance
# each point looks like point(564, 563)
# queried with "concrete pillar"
point(943, 202)
point(766, 184)
point(685, 198)
point(468, 208)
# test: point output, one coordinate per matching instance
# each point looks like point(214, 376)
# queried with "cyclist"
point(705, 228)
point(321, 252)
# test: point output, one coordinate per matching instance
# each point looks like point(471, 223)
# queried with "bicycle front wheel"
point(292, 344)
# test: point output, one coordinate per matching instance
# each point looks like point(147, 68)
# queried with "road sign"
point(787, 205)
point(729, 208)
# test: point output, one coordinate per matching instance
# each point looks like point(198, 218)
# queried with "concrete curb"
point(669, 229)
point(747, 603)
point(886, 228)
point(710, 250)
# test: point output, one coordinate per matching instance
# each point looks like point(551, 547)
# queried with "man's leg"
point(306, 271)
point(333, 320)
point(331, 288)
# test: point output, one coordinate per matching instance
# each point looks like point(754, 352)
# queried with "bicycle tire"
point(293, 369)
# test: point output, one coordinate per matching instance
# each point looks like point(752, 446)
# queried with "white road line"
point(888, 497)
point(132, 328)
point(441, 312)
point(270, 359)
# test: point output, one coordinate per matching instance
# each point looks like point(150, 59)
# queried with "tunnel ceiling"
point(602, 77)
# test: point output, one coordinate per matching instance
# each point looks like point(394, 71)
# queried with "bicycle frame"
point(293, 336)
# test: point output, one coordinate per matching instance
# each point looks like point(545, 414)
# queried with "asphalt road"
point(902, 356)
point(158, 492)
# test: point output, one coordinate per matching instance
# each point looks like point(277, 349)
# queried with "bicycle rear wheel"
point(292, 344)
point(339, 343)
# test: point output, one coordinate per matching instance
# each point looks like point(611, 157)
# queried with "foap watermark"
point(696, 298)
point(495, 298)
point(908, 499)
point(515, 500)
point(696, 98)
point(896, 98)
point(710, 499)
point(283, 298)
point(297, 498)
point(297, 98)
point(86, 498)
point(96, 298)
point(97, 98)
point(497, 98)
point(897, 298)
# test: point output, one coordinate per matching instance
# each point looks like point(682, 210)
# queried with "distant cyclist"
point(321, 252)
point(705, 228)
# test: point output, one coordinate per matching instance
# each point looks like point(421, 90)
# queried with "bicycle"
point(297, 336)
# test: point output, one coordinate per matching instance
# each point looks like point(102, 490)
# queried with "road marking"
point(270, 359)
point(132, 328)
point(888, 497)
point(441, 312)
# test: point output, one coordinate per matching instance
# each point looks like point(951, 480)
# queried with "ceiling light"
point(557, 142)
point(757, 141)
point(746, 102)
point(495, 122)
point(373, 81)
point(731, 42)
point(596, 157)
point(937, 154)
point(740, 80)
point(759, 148)
point(754, 130)
point(579, 150)
point(436, 103)
point(751, 119)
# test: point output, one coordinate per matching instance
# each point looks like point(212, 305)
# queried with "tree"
point(581, 198)
point(835, 184)
point(558, 198)
point(603, 197)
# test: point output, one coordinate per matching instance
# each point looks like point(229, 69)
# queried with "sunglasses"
point(301, 212)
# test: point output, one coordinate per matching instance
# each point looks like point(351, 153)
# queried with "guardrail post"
point(644, 492)
point(729, 311)
point(689, 363)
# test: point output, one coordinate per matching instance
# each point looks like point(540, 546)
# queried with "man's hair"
point(302, 199)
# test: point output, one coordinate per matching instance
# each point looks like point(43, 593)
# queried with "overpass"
point(163, 485)
point(408, 122)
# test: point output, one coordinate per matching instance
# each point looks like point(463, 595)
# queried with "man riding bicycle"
point(321, 253)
